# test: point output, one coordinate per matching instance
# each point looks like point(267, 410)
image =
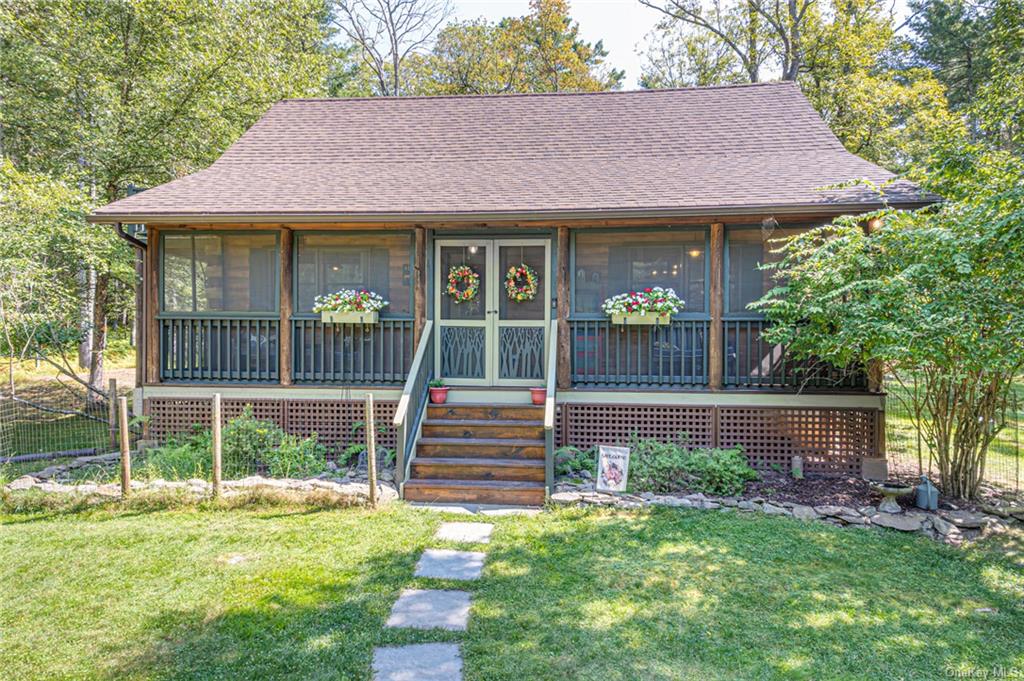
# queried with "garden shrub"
point(181, 458)
point(670, 467)
point(246, 442)
point(295, 458)
point(570, 460)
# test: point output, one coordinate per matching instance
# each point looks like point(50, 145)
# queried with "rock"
point(772, 509)
point(710, 505)
point(854, 519)
point(22, 483)
point(331, 466)
point(867, 511)
point(586, 475)
point(833, 510)
point(905, 522)
point(801, 512)
point(966, 519)
point(942, 526)
point(386, 475)
point(566, 497)
point(729, 502)
point(698, 497)
point(745, 505)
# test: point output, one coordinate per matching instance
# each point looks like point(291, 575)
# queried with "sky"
point(622, 24)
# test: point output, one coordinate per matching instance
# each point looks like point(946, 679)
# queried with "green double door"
point(492, 340)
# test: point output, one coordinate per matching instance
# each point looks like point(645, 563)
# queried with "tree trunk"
point(86, 314)
point(753, 57)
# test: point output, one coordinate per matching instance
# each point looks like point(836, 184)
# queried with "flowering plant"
point(656, 301)
point(521, 283)
point(463, 276)
point(348, 300)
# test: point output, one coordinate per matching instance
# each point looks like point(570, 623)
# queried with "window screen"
point(330, 262)
point(610, 263)
point(748, 249)
point(220, 272)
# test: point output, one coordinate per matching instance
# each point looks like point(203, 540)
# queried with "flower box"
point(352, 317)
point(635, 319)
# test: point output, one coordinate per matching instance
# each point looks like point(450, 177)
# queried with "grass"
point(285, 592)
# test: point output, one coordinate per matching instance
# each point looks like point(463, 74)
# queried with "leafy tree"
point(936, 296)
point(540, 52)
point(678, 57)
point(999, 107)
point(107, 93)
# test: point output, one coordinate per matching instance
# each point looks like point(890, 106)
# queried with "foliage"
point(295, 458)
point(539, 52)
point(246, 441)
point(570, 460)
point(348, 300)
point(656, 300)
point(521, 283)
point(675, 56)
point(435, 383)
point(181, 458)
point(463, 283)
point(936, 296)
point(670, 467)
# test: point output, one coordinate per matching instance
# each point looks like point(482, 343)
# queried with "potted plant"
point(438, 391)
point(538, 395)
point(651, 306)
point(349, 307)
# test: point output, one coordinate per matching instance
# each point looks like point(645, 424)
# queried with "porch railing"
point(751, 362)
point(197, 348)
point(611, 355)
point(549, 410)
point(413, 403)
point(375, 354)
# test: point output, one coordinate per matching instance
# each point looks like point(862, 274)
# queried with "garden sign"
point(612, 468)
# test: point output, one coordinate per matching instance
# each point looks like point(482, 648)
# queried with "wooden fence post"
point(126, 456)
point(215, 429)
point(112, 399)
point(371, 450)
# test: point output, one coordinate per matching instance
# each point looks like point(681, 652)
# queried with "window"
point(381, 263)
point(610, 263)
point(206, 272)
point(748, 249)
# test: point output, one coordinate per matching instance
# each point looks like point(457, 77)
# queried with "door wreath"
point(521, 283)
point(463, 283)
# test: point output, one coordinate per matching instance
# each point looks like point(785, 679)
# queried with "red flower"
point(648, 290)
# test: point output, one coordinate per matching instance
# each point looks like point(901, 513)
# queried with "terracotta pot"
point(538, 395)
point(438, 395)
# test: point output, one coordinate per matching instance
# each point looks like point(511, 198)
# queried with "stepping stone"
point(448, 564)
point(468, 533)
point(421, 662)
point(430, 609)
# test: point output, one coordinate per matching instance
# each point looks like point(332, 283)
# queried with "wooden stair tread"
point(476, 441)
point(489, 405)
point(482, 422)
point(492, 462)
point(474, 484)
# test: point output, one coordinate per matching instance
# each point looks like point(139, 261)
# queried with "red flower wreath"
point(463, 275)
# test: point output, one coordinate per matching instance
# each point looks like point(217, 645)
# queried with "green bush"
point(670, 467)
point(181, 458)
point(246, 442)
point(570, 460)
point(295, 458)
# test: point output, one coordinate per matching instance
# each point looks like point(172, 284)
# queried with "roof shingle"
point(688, 151)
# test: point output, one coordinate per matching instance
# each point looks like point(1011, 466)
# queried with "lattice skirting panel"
point(332, 420)
point(831, 441)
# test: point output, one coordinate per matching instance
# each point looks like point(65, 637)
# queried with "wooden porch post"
point(419, 285)
point(715, 359)
point(284, 366)
point(562, 310)
point(151, 305)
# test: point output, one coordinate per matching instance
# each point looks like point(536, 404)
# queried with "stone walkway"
point(434, 609)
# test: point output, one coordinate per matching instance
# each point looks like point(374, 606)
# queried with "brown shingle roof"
point(714, 149)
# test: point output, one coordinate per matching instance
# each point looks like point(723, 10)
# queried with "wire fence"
point(909, 453)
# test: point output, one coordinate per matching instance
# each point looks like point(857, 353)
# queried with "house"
point(598, 194)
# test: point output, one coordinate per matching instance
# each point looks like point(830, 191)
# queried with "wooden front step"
point(441, 468)
point(480, 448)
point(475, 491)
point(487, 429)
point(501, 412)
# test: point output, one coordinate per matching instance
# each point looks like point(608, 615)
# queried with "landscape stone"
point(802, 512)
point(966, 519)
point(833, 510)
point(430, 609)
point(772, 509)
point(22, 483)
point(449, 564)
point(469, 533)
point(905, 522)
point(418, 662)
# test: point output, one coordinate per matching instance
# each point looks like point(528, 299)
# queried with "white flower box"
point(351, 317)
point(636, 319)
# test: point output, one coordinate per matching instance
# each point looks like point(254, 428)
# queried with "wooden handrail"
point(410, 381)
point(414, 396)
point(549, 409)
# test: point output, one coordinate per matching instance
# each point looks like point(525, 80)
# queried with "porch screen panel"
point(748, 249)
point(177, 273)
point(610, 263)
point(326, 263)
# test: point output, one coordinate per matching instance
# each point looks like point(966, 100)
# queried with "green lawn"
point(291, 593)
